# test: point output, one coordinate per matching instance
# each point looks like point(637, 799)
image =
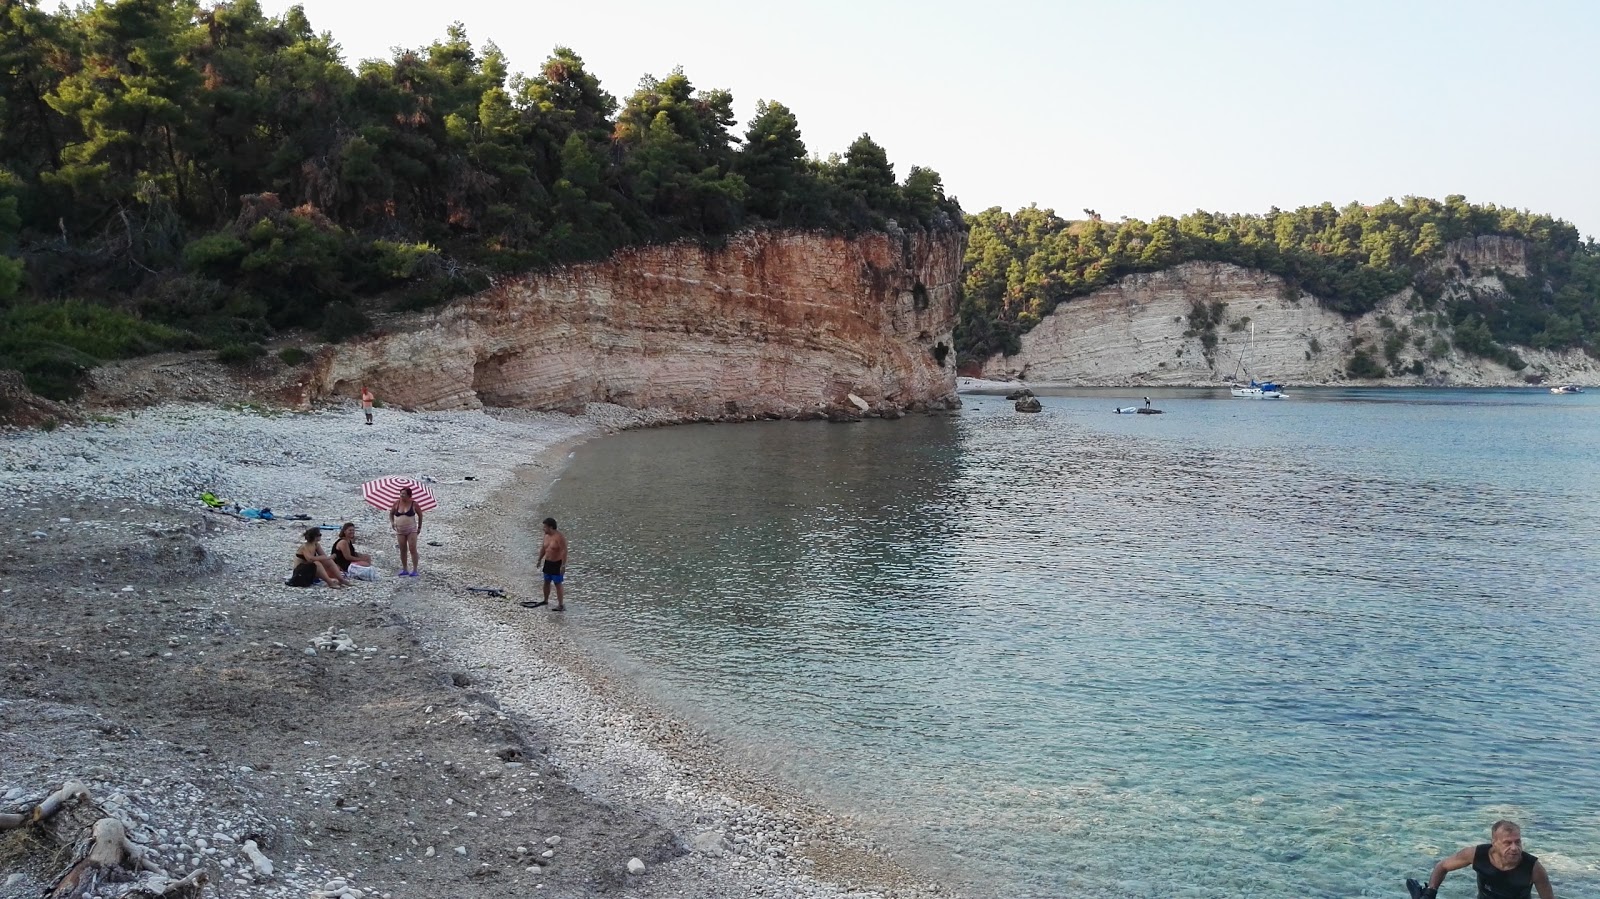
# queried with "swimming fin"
point(1415, 888)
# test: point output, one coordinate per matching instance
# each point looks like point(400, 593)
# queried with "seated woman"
point(349, 560)
point(311, 563)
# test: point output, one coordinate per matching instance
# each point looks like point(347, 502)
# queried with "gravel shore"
point(456, 744)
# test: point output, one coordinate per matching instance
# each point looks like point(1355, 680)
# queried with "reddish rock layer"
point(769, 324)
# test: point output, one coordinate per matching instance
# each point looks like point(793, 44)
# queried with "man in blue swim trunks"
point(1504, 870)
point(553, 559)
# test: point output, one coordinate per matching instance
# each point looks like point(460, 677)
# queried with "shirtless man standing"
point(553, 558)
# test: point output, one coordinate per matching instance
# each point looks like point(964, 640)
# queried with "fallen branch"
point(45, 810)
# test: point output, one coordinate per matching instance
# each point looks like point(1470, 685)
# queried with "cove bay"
point(1239, 649)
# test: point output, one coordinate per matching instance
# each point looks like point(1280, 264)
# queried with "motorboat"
point(1567, 388)
point(1259, 390)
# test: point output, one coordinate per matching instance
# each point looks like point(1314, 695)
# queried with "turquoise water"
point(1245, 648)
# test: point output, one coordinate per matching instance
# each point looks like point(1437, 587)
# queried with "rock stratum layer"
point(771, 324)
point(1139, 332)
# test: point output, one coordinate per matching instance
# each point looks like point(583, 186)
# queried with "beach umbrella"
point(384, 492)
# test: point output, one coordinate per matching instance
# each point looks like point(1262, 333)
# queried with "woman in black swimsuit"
point(344, 549)
point(406, 519)
point(310, 563)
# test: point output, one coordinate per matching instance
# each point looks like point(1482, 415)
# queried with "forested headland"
point(182, 175)
point(1020, 265)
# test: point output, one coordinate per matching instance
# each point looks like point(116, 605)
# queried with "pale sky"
point(1127, 108)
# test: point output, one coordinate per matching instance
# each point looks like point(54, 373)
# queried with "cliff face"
point(770, 324)
point(1139, 331)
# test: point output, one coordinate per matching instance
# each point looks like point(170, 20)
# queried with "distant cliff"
point(771, 324)
point(1189, 325)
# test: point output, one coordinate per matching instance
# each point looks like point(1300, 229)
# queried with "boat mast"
point(1240, 363)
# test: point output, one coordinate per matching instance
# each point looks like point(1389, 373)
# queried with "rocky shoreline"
point(455, 744)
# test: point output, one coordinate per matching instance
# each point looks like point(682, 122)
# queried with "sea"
point(1243, 648)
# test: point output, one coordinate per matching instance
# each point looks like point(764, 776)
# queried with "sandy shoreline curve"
point(498, 734)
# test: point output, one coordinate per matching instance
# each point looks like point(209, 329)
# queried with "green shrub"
point(1392, 345)
point(1362, 365)
point(341, 321)
point(240, 353)
point(404, 261)
point(98, 331)
point(51, 370)
point(293, 355)
point(216, 255)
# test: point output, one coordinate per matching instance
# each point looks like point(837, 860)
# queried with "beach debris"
point(262, 864)
point(635, 866)
point(335, 640)
point(337, 888)
point(710, 842)
point(103, 862)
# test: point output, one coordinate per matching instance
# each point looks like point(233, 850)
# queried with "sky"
point(1128, 107)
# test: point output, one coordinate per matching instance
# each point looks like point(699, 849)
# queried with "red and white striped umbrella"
point(385, 492)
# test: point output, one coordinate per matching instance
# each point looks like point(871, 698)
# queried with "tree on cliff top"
point(146, 136)
point(1020, 265)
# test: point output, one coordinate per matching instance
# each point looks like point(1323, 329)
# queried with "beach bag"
point(305, 574)
point(363, 572)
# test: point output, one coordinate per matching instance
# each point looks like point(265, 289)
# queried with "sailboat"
point(1254, 390)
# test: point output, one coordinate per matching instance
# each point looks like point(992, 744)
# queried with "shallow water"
point(1245, 648)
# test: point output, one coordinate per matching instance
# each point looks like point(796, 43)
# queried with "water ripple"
point(1241, 649)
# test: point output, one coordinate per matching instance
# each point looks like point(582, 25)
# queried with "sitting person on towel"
point(357, 564)
point(311, 563)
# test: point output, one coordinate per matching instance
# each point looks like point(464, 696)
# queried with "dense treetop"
point(1020, 265)
point(209, 167)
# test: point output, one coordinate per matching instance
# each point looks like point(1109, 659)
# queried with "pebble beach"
point(400, 737)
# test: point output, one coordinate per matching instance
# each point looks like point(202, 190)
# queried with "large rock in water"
point(772, 323)
point(1029, 403)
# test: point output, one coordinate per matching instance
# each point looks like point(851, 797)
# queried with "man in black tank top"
point(1504, 870)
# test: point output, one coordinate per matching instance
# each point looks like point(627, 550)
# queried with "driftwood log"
point(105, 857)
point(47, 809)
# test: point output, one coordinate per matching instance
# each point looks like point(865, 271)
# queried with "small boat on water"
point(1260, 390)
point(1255, 390)
point(1567, 388)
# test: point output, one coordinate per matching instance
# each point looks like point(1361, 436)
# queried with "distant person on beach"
point(310, 563)
point(1504, 870)
point(1147, 401)
point(350, 560)
point(366, 402)
point(406, 519)
point(553, 559)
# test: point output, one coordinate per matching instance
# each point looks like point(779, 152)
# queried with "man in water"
point(1147, 401)
point(1504, 870)
point(553, 557)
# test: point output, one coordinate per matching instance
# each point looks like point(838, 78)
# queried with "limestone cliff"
point(1139, 331)
point(771, 324)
